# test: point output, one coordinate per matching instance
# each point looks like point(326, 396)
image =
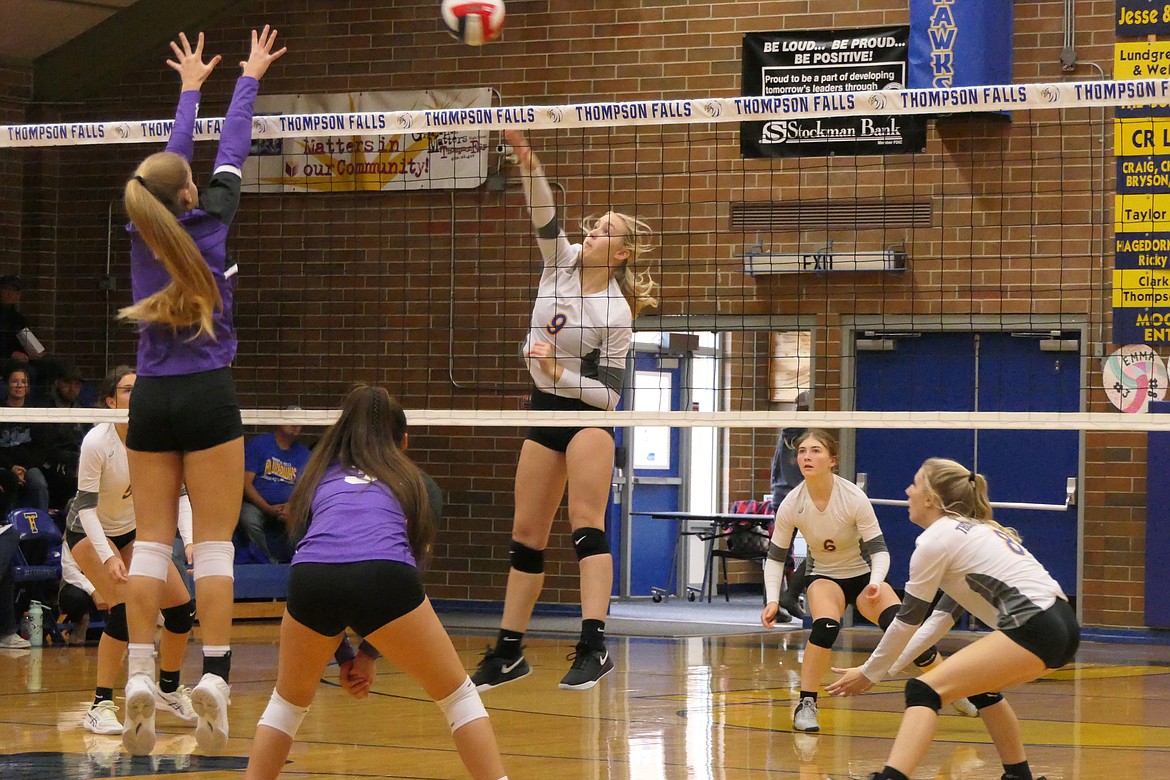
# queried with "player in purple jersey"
point(982, 567)
point(363, 507)
point(185, 422)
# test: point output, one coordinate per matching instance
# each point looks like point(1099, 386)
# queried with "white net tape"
point(1011, 97)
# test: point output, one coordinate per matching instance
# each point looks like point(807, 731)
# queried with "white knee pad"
point(462, 706)
point(151, 559)
point(214, 559)
point(282, 716)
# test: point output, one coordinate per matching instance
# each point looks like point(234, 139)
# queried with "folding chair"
point(743, 540)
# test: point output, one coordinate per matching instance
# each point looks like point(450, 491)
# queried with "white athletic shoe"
point(102, 718)
point(805, 718)
point(14, 642)
point(210, 700)
point(965, 708)
point(177, 703)
point(138, 733)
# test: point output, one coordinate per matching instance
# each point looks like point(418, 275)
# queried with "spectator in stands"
point(12, 321)
point(272, 464)
point(9, 639)
point(64, 392)
point(22, 447)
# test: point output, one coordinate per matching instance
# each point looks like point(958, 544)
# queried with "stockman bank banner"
point(960, 43)
point(819, 63)
point(336, 158)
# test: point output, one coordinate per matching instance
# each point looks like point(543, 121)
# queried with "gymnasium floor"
point(712, 707)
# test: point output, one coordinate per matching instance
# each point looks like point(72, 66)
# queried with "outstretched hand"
point(850, 683)
point(189, 62)
point(262, 54)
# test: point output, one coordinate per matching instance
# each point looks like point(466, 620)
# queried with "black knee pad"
point(919, 694)
point(589, 541)
point(927, 657)
point(116, 623)
point(525, 559)
point(984, 700)
point(178, 620)
point(824, 632)
point(887, 616)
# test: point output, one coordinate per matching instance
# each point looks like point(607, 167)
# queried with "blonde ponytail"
point(962, 492)
point(151, 199)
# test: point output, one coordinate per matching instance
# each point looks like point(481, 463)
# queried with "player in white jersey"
point(578, 340)
point(981, 567)
point(847, 563)
point(100, 532)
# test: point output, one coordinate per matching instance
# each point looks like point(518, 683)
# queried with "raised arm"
point(193, 71)
point(236, 137)
point(541, 205)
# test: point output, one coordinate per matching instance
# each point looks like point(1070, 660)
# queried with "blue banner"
point(960, 43)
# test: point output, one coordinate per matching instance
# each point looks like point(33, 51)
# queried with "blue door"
point(654, 455)
point(974, 372)
point(903, 374)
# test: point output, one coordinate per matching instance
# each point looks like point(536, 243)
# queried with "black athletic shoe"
point(495, 670)
point(588, 667)
point(792, 606)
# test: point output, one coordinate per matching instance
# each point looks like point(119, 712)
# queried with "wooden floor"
point(707, 708)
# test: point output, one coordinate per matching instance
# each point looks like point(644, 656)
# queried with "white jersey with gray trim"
point(104, 472)
point(983, 569)
point(834, 536)
point(588, 332)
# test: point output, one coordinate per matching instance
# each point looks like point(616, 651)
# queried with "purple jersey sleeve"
point(182, 140)
point(236, 138)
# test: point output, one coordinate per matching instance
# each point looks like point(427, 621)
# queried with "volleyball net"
point(969, 286)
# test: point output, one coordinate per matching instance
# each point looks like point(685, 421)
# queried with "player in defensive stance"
point(981, 567)
point(579, 336)
point(100, 533)
point(363, 508)
point(847, 563)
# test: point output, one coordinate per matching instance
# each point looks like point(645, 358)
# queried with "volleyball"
point(475, 22)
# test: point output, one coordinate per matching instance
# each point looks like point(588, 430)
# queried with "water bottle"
point(36, 624)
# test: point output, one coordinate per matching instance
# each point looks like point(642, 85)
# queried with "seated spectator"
point(9, 638)
point(64, 451)
point(12, 322)
point(14, 328)
point(22, 447)
point(272, 464)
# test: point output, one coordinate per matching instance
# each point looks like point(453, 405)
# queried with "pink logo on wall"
point(1133, 376)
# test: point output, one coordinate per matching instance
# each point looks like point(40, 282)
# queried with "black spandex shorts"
point(327, 597)
point(852, 586)
point(185, 413)
point(1052, 635)
point(558, 438)
point(120, 541)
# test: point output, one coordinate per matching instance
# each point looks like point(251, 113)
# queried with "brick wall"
point(370, 286)
point(15, 91)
